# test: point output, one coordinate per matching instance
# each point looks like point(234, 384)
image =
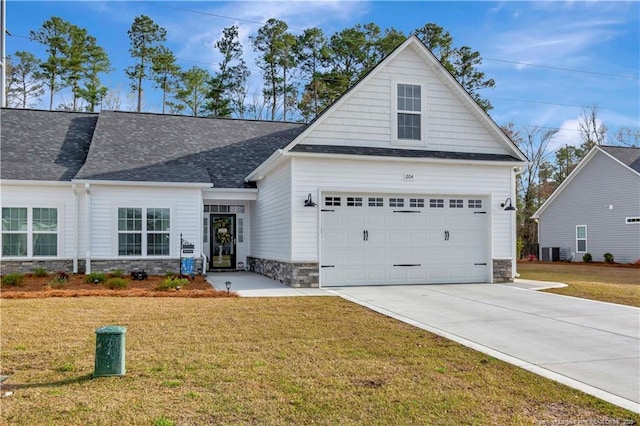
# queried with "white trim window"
point(30, 232)
point(150, 237)
point(408, 113)
point(581, 238)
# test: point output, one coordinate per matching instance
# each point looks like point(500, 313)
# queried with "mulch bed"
point(40, 287)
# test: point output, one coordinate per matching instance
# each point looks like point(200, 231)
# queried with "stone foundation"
point(502, 272)
point(152, 266)
point(28, 266)
point(298, 275)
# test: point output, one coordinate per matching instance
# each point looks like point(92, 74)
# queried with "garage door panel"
point(365, 242)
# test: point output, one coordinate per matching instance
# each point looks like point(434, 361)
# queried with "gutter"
point(87, 190)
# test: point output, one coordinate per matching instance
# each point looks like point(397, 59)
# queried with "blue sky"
point(588, 52)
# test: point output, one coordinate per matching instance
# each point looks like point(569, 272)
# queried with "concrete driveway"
point(592, 346)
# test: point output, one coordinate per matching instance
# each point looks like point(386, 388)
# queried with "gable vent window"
point(632, 220)
point(416, 202)
point(376, 202)
point(331, 201)
point(436, 203)
point(474, 204)
point(456, 204)
point(409, 111)
point(354, 201)
point(396, 202)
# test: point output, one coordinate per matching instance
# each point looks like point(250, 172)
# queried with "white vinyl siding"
point(367, 116)
point(184, 204)
point(324, 175)
point(271, 216)
point(53, 235)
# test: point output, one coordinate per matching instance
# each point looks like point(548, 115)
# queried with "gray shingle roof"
point(626, 155)
point(166, 148)
point(44, 145)
point(395, 152)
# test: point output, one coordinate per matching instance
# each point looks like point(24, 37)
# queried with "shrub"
point(171, 283)
point(169, 274)
point(12, 280)
point(59, 279)
point(116, 273)
point(95, 277)
point(139, 275)
point(587, 258)
point(40, 272)
point(608, 257)
point(532, 257)
point(62, 276)
point(116, 283)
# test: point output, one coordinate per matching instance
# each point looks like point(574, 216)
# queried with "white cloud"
point(567, 135)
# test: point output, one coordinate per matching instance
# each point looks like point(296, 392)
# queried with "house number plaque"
point(407, 176)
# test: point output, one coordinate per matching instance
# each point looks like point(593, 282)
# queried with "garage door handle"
point(446, 235)
point(365, 235)
point(407, 264)
point(480, 264)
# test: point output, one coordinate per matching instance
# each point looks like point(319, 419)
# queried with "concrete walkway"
point(592, 346)
point(249, 284)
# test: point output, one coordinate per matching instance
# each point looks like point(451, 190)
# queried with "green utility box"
point(110, 349)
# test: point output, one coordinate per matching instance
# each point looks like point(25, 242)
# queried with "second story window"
point(409, 110)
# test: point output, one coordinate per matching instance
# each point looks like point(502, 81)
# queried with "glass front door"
point(223, 241)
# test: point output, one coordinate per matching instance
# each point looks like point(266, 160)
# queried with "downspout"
point(76, 230)
point(87, 223)
point(514, 227)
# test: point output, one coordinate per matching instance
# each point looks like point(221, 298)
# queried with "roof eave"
point(404, 159)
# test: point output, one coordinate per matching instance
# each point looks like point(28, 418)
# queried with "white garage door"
point(399, 239)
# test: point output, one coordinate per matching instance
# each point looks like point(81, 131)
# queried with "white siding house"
point(402, 180)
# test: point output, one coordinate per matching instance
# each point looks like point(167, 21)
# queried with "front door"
point(223, 241)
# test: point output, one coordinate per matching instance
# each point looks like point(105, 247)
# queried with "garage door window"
point(456, 204)
point(416, 202)
point(396, 202)
point(354, 201)
point(376, 202)
point(474, 204)
point(331, 201)
point(436, 203)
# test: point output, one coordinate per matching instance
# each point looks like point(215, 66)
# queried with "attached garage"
point(388, 239)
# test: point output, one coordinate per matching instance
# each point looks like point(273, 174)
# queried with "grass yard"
point(263, 361)
point(607, 283)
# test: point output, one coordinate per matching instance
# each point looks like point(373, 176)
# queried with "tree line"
point(301, 74)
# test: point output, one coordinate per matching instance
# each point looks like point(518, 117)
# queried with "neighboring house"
point(402, 180)
point(595, 210)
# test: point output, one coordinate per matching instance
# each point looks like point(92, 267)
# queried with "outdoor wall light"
point(309, 202)
point(228, 285)
point(507, 205)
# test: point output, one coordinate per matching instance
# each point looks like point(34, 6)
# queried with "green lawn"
point(262, 361)
point(607, 283)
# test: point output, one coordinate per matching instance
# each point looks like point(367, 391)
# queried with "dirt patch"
point(42, 287)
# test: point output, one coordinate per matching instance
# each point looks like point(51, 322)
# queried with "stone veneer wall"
point(28, 266)
point(502, 272)
point(152, 266)
point(298, 275)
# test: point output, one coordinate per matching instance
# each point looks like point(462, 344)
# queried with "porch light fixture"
point(309, 202)
point(228, 285)
point(507, 205)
